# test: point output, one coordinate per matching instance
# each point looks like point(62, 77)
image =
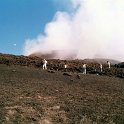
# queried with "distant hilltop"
point(57, 54)
point(102, 61)
point(71, 56)
point(24, 60)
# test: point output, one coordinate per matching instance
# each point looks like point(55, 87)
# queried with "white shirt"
point(84, 65)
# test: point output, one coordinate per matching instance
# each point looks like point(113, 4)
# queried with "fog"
point(91, 29)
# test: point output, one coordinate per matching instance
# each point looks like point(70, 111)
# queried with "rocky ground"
point(30, 95)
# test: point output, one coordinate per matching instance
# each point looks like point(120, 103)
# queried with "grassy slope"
point(30, 95)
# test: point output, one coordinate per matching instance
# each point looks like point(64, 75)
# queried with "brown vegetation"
point(56, 64)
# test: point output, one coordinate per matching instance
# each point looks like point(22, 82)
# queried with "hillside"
point(121, 65)
point(31, 95)
point(56, 64)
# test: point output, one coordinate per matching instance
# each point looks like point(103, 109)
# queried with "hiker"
point(109, 64)
point(100, 67)
point(65, 67)
point(44, 64)
point(84, 69)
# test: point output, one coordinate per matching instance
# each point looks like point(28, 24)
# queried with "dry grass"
point(30, 95)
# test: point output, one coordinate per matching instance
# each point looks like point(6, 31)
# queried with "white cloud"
point(94, 29)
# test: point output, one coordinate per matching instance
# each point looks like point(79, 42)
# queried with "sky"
point(22, 19)
point(86, 28)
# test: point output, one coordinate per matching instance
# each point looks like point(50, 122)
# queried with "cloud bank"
point(93, 29)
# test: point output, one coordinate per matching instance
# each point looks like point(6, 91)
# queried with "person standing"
point(65, 66)
point(44, 64)
point(109, 64)
point(100, 67)
point(84, 69)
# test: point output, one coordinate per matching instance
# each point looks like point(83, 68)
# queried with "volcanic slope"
point(31, 95)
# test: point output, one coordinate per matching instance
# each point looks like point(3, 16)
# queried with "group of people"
point(84, 66)
point(101, 67)
point(45, 65)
